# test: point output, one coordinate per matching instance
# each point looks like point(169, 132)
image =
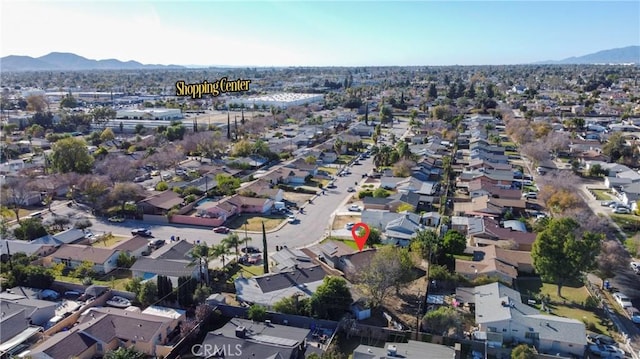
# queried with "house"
point(351, 263)
point(483, 187)
point(489, 206)
point(361, 129)
point(172, 260)
point(160, 203)
point(135, 247)
point(13, 246)
point(410, 350)
point(288, 259)
point(72, 255)
point(393, 202)
point(490, 232)
point(493, 261)
point(380, 219)
point(14, 331)
point(629, 193)
point(501, 315)
point(302, 165)
point(69, 236)
point(401, 230)
point(291, 176)
point(261, 188)
point(253, 162)
point(241, 337)
point(269, 288)
point(251, 204)
point(101, 330)
point(35, 311)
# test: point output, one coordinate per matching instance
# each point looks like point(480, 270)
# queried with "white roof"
point(164, 312)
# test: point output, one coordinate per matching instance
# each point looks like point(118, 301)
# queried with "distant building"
point(282, 100)
point(162, 114)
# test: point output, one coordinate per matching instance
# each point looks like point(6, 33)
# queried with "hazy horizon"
point(319, 33)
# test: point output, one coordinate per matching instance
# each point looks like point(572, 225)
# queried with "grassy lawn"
point(569, 305)
point(629, 223)
point(116, 279)
point(601, 194)
point(247, 271)
point(340, 221)
point(331, 170)
point(109, 241)
point(344, 159)
point(254, 223)
point(349, 243)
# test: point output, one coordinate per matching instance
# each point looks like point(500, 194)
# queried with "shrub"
point(190, 198)
point(162, 186)
point(87, 281)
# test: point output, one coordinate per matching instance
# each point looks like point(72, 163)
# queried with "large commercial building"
point(282, 100)
point(163, 114)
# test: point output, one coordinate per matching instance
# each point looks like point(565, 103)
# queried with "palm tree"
point(219, 251)
point(233, 241)
point(201, 254)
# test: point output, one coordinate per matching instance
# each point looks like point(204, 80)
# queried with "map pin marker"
point(360, 233)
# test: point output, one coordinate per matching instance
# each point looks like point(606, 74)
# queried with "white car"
point(622, 210)
point(349, 225)
point(354, 208)
point(622, 299)
point(530, 195)
point(292, 219)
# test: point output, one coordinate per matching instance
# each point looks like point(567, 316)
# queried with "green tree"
point(427, 243)
point(386, 115)
point(442, 320)
point(201, 293)
point(124, 353)
point(523, 351)
point(133, 285)
point(71, 155)
point(561, 253)
point(148, 293)
point(107, 135)
point(616, 148)
point(84, 269)
point(102, 115)
point(220, 251)
point(30, 229)
point(125, 260)
point(125, 191)
point(227, 185)
point(375, 237)
point(293, 305)
point(257, 313)
point(200, 256)
point(331, 299)
point(388, 269)
point(232, 240)
point(454, 242)
point(68, 101)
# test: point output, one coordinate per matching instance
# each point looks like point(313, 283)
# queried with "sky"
point(319, 33)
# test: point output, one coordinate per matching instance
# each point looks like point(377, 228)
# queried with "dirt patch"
point(340, 221)
point(254, 223)
point(298, 198)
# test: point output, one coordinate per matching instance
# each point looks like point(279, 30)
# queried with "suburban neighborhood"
point(501, 207)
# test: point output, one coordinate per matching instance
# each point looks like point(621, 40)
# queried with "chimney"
point(241, 332)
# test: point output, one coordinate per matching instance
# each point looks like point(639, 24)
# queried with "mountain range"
point(71, 62)
point(63, 61)
point(622, 55)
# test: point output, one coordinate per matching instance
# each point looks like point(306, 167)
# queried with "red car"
point(223, 230)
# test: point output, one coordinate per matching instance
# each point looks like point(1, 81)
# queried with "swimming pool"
point(204, 200)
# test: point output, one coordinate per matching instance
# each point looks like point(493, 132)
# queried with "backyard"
point(108, 240)
point(340, 221)
point(116, 279)
point(254, 222)
point(573, 303)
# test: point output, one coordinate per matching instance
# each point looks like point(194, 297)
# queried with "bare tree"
point(123, 192)
point(95, 189)
point(612, 259)
point(114, 168)
point(556, 141)
point(17, 191)
point(536, 151)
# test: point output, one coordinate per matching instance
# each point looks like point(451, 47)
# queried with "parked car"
point(530, 195)
point(607, 203)
point(349, 225)
point(622, 299)
point(141, 232)
point(249, 250)
point(354, 208)
point(600, 339)
point(116, 219)
point(158, 243)
point(292, 219)
point(634, 314)
point(607, 351)
point(221, 229)
point(351, 189)
point(331, 185)
point(622, 210)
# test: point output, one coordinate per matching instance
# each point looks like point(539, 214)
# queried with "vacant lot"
point(254, 222)
point(340, 221)
point(298, 198)
point(108, 241)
